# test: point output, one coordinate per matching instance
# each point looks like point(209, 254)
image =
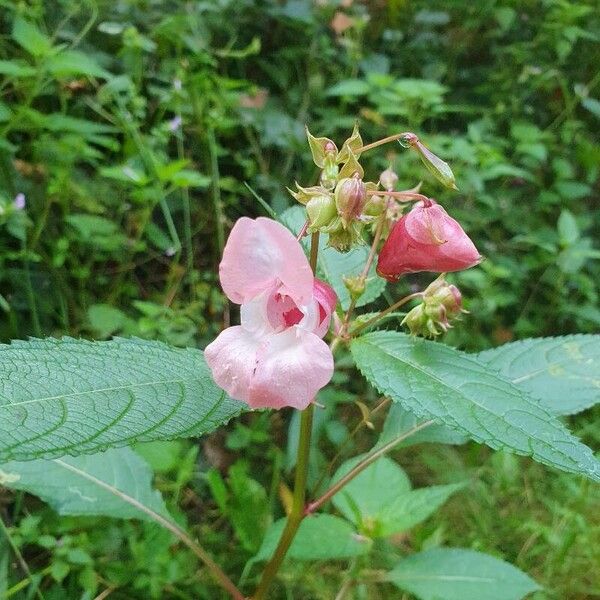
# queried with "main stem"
point(297, 513)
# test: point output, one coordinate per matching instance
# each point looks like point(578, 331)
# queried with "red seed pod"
point(426, 239)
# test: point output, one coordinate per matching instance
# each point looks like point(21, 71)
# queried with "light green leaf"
point(320, 537)
point(73, 62)
point(14, 68)
point(74, 396)
point(568, 230)
point(562, 373)
point(411, 508)
point(29, 37)
point(377, 486)
point(111, 483)
point(456, 574)
point(438, 382)
point(349, 87)
point(379, 500)
point(106, 320)
point(333, 266)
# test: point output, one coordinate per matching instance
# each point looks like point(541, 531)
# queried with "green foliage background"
point(140, 130)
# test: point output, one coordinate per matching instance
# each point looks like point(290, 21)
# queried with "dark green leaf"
point(73, 396)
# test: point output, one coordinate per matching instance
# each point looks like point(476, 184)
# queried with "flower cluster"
point(276, 357)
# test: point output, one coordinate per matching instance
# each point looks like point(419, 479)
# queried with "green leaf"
point(349, 87)
point(13, 68)
point(107, 484)
point(105, 319)
point(74, 396)
point(438, 382)
point(333, 266)
point(319, 537)
point(379, 500)
point(562, 373)
point(29, 37)
point(456, 574)
point(411, 508)
point(247, 507)
point(377, 486)
point(568, 229)
point(73, 62)
point(399, 421)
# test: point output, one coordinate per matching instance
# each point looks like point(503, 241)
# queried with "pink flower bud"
point(426, 239)
point(350, 198)
point(388, 179)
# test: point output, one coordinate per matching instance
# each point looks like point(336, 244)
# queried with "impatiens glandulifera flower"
point(426, 239)
point(276, 357)
point(442, 302)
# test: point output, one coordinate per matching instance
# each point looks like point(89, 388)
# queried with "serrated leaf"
point(457, 574)
point(74, 396)
point(102, 484)
point(333, 266)
point(438, 382)
point(319, 537)
point(399, 421)
point(562, 373)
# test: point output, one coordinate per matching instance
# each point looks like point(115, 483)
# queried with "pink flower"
point(276, 357)
point(426, 239)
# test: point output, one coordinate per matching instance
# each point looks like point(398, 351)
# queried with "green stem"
point(216, 188)
point(297, 513)
point(386, 140)
point(171, 526)
point(385, 312)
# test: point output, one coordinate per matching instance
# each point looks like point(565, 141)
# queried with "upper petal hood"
point(258, 254)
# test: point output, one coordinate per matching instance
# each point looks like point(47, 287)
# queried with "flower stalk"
point(299, 498)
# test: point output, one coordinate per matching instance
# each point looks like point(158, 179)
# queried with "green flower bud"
point(350, 198)
point(330, 173)
point(321, 210)
point(435, 165)
point(442, 302)
point(355, 286)
point(304, 195)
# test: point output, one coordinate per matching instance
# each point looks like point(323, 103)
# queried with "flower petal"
point(260, 253)
point(292, 366)
point(232, 360)
point(326, 299)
